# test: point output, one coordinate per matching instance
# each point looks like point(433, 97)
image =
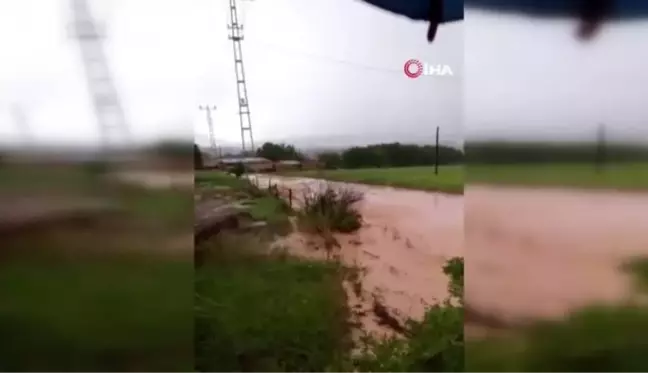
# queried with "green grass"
point(218, 179)
point(64, 180)
point(258, 312)
point(103, 313)
point(166, 209)
point(449, 180)
point(598, 338)
point(263, 206)
point(96, 296)
point(622, 176)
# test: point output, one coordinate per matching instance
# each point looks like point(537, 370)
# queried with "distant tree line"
point(171, 149)
point(391, 155)
point(536, 152)
point(198, 158)
point(279, 152)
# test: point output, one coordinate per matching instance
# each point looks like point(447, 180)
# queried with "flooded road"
point(539, 253)
point(406, 239)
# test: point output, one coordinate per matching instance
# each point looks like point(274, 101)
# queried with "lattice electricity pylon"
point(210, 124)
point(22, 124)
point(236, 36)
point(113, 129)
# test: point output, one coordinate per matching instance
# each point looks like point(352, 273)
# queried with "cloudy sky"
point(152, 51)
point(533, 80)
point(327, 70)
point(331, 72)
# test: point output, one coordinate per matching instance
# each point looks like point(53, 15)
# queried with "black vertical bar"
point(436, 158)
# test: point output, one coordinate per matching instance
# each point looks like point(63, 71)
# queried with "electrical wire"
point(327, 58)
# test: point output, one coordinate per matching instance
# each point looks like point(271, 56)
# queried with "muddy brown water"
point(541, 253)
point(406, 239)
point(532, 253)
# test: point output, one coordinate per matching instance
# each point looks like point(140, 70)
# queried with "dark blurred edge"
point(96, 264)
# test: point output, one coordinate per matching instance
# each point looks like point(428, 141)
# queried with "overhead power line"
point(336, 60)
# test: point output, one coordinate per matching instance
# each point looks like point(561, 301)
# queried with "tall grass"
point(330, 210)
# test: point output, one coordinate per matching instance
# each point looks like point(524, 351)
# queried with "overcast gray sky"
point(152, 51)
point(332, 72)
point(533, 80)
point(523, 79)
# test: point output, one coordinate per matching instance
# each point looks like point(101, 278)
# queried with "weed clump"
point(331, 210)
point(454, 269)
point(238, 170)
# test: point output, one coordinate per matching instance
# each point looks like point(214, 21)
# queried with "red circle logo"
point(413, 68)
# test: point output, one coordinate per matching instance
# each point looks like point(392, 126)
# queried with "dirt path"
point(406, 239)
point(538, 253)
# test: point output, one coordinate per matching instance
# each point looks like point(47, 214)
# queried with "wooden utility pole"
point(436, 158)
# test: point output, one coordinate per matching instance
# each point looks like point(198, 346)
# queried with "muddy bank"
point(539, 253)
point(406, 239)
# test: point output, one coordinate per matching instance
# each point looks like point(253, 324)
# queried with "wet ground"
point(539, 253)
point(406, 239)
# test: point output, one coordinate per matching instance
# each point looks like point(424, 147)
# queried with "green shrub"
point(454, 269)
point(238, 170)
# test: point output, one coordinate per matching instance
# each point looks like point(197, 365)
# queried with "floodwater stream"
point(406, 238)
point(540, 253)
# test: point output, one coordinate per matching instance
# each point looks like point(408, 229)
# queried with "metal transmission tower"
point(212, 139)
point(22, 123)
point(236, 36)
point(109, 113)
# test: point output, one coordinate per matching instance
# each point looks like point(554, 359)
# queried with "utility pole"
point(436, 150)
point(600, 148)
point(107, 104)
point(212, 139)
point(236, 35)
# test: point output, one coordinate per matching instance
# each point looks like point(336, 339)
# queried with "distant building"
point(254, 164)
point(288, 165)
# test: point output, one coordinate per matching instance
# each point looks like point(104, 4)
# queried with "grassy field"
point(449, 180)
point(103, 295)
point(119, 314)
point(623, 176)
